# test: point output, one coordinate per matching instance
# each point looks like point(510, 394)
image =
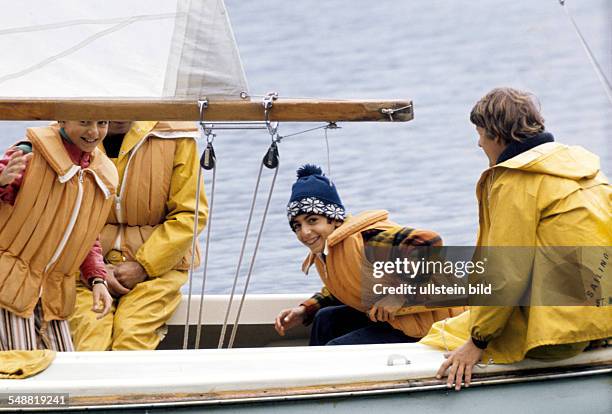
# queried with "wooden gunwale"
point(330, 391)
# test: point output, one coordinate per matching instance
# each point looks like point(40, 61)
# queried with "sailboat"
point(192, 71)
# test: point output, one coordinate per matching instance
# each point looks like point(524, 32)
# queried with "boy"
point(536, 193)
point(55, 194)
point(336, 243)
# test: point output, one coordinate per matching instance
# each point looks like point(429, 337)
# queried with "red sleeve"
point(8, 193)
point(93, 265)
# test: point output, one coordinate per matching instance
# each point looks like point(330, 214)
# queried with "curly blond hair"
point(509, 114)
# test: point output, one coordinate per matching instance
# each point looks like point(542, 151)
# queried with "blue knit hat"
point(314, 193)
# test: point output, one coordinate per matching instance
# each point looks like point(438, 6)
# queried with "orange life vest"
point(343, 269)
point(140, 206)
point(55, 220)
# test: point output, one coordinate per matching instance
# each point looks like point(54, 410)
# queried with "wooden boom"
point(172, 110)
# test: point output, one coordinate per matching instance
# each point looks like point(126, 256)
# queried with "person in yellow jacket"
point(345, 313)
point(147, 237)
point(549, 197)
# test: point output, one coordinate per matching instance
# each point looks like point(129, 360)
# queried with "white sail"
point(171, 49)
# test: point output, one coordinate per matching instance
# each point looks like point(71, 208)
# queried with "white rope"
point(600, 74)
point(329, 174)
point(205, 270)
point(208, 159)
point(242, 249)
point(193, 249)
point(252, 265)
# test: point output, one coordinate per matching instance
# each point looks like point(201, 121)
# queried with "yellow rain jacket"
point(551, 195)
point(24, 364)
point(152, 223)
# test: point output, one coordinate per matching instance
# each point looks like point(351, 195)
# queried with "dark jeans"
point(343, 325)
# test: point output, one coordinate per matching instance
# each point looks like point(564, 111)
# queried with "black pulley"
point(270, 160)
point(208, 159)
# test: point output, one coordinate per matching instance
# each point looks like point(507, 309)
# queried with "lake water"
point(444, 56)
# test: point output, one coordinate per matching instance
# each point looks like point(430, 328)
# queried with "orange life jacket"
point(140, 207)
point(55, 220)
point(343, 269)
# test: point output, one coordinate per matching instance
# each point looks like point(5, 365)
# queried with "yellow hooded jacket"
point(551, 195)
point(152, 221)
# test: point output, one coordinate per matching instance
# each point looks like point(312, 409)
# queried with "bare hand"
point(100, 294)
point(115, 288)
point(385, 309)
point(129, 274)
point(289, 318)
point(461, 361)
point(15, 167)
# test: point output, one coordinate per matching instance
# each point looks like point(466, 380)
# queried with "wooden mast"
point(292, 110)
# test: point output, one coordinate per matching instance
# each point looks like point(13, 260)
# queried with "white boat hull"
point(186, 378)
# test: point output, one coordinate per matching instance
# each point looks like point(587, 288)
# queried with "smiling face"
point(86, 135)
point(313, 229)
point(491, 147)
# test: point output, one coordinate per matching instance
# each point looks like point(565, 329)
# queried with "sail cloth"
point(173, 49)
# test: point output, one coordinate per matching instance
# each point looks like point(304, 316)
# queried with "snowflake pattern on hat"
point(313, 205)
point(334, 212)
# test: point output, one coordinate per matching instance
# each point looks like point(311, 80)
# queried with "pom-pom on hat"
point(314, 193)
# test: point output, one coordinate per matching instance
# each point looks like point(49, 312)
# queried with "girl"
point(55, 195)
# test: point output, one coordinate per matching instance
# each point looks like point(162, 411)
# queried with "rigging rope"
point(600, 74)
point(207, 161)
point(270, 160)
point(281, 137)
point(240, 257)
point(331, 125)
point(252, 264)
point(193, 245)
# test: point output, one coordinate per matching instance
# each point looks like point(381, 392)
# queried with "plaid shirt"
point(398, 237)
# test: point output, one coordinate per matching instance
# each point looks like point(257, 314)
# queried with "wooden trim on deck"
point(330, 390)
point(291, 110)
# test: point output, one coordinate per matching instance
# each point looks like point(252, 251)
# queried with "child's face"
point(313, 229)
point(86, 135)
